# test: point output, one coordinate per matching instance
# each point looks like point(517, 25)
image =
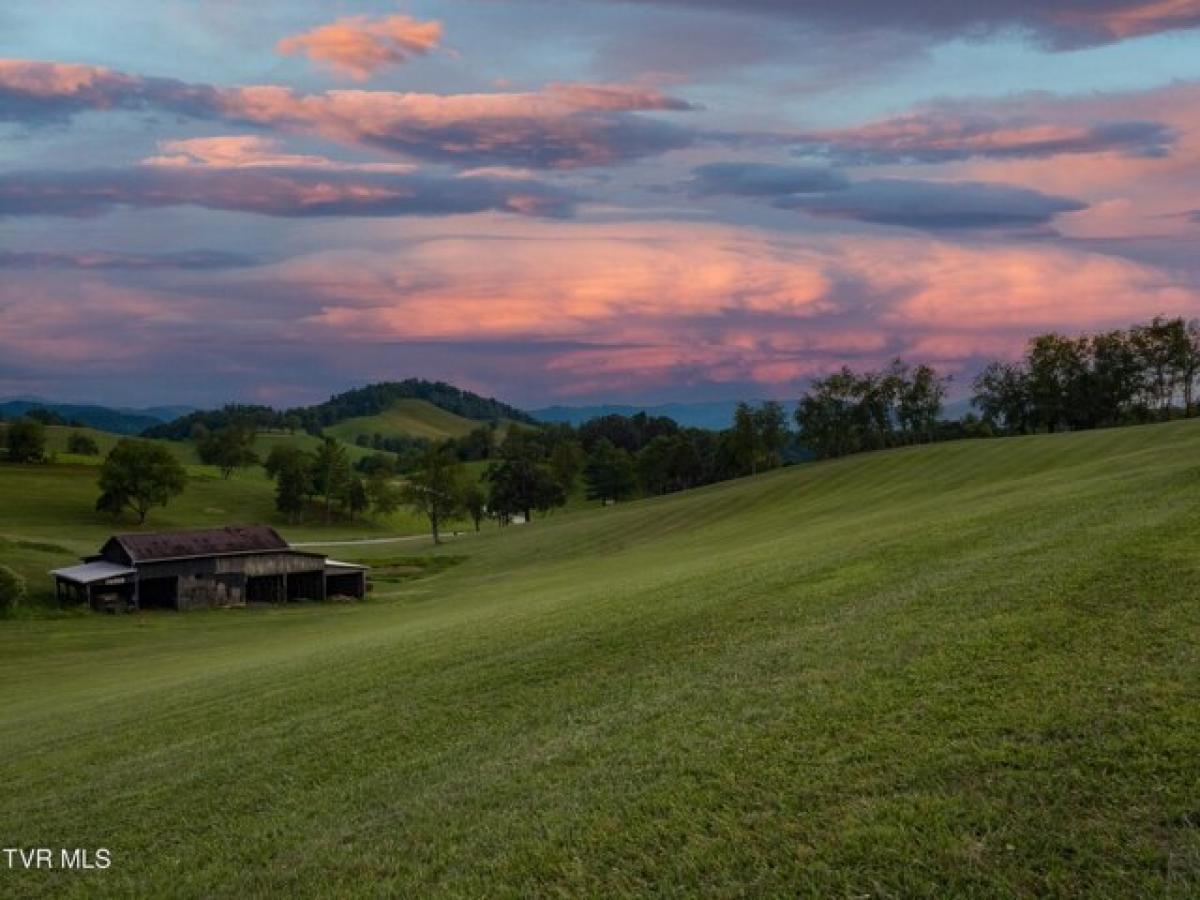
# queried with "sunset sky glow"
point(569, 201)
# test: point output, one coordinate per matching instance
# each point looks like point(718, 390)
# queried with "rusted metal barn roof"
point(162, 545)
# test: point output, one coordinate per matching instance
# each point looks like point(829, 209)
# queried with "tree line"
point(1141, 374)
point(849, 412)
point(1145, 373)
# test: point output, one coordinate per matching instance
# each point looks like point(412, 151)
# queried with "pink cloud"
point(570, 282)
point(589, 308)
point(1131, 160)
point(1128, 195)
point(952, 133)
point(1023, 288)
point(560, 126)
point(1029, 126)
point(680, 303)
point(245, 151)
point(41, 319)
point(53, 79)
point(359, 46)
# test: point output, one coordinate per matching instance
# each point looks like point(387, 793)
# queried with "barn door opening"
point(306, 586)
point(158, 593)
point(265, 589)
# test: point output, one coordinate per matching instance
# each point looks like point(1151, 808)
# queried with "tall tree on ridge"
point(745, 438)
point(770, 422)
point(331, 473)
point(435, 490)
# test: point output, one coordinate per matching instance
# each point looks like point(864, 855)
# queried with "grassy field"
point(405, 418)
point(964, 670)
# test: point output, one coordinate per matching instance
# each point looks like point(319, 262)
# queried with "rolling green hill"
point(409, 409)
point(379, 398)
point(405, 418)
point(969, 669)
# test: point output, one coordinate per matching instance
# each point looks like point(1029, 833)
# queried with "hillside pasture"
point(969, 669)
point(405, 418)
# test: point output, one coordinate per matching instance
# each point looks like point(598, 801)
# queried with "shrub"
point(82, 445)
point(26, 441)
point(12, 589)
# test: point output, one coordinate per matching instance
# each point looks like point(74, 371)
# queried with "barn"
point(196, 569)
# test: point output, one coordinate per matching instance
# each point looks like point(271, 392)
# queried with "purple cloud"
point(935, 205)
point(930, 205)
point(295, 193)
point(187, 260)
point(34, 91)
point(951, 134)
point(748, 179)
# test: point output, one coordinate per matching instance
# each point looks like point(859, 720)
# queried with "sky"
point(580, 201)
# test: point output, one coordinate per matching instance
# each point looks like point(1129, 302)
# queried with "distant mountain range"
point(119, 420)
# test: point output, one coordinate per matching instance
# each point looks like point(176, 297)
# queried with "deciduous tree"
point(139, 475)
point(609, 473)
point(331, 474)
point(26, 441)
point(435, 490)
point(385, 495)
point(474, 502)
point(293, 484)
point(228, 449)
point(770, 423)
point(520, 480)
